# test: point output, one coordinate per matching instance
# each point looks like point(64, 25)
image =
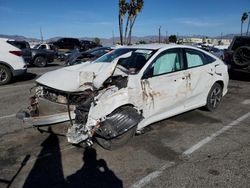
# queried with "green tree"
point(172, 38)
point(142, 42)
point(97, 41)
point(243, 19)
point(131, 10)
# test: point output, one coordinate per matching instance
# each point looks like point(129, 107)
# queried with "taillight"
point(17, 53)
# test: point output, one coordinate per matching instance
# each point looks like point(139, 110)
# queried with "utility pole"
point(166, 37)
point(221, 34)
point(41, 34)
point(160, 34)
point(113, 37)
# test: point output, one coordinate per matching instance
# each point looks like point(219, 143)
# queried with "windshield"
point(36, 46)
point(109, 57)
point(136, 61)
point(130, 65)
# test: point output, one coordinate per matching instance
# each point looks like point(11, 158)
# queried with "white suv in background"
point(11, 61)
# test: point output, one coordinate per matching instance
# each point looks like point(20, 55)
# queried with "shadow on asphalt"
point(26, 77)
point(9, 182)
point(94, 173)
point(239, 75)
point(48, 65)
point(48, 171)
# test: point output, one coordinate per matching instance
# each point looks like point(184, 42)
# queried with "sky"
point(99, 18)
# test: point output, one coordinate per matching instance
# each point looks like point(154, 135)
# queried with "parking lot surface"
point(194, 149)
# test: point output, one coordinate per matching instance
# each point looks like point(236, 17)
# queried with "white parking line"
point(8, 116)
point(152, 176)
point(15, 86)
point(144, 181)
point(212, 136)
point(247, 101)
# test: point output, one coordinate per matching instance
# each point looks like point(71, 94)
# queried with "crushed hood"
point(73, 78)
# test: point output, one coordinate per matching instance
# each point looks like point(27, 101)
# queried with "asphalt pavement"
point(194, 149)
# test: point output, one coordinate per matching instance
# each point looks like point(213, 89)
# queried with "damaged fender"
point(108, 101)
point(119, 122)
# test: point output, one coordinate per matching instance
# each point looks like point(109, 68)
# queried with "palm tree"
point(243, 19)
point(131, 9)
point(122, 11)
point(136, 9)
point(248, 25)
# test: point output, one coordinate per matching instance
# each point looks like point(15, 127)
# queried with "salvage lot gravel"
point(154, 159)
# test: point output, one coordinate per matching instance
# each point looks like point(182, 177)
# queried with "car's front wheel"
point(214, 97)
point(5, 75)
point(116, 142)
point(40, 61)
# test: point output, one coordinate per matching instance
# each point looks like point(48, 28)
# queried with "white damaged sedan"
point(126, 90)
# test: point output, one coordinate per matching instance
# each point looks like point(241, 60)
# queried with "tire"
point(241, 56)
point(117, 142)
point(40, 61)
point(5, 75)
point(214, 97)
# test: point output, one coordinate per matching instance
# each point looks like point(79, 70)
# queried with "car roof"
point(157, 46)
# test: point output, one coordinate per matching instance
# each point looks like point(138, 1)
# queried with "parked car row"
point(42, 54)
point(125, 90)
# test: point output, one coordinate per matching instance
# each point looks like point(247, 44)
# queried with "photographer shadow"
point(47, 170)
point(94, 173)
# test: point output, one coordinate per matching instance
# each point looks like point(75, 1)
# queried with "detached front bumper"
point(45, 112)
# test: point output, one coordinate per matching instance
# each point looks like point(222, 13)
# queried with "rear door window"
point(194, 58)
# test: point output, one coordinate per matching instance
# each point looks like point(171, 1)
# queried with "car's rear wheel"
point(241, 56)
point(40, 61)
point(214, 97)
point(5, 75)
point(116, 142)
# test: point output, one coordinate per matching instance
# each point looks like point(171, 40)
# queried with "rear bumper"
point(19, 72)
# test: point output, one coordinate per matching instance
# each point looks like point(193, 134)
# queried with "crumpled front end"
point(107, 115)
point(49, 106)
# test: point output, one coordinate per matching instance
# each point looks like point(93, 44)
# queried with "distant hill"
point(109, 41)
point(18, 37)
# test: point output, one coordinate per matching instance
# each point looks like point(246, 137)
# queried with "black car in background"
point(77, 57)
point(237, 56)
point(86, 45)
point(67, 43)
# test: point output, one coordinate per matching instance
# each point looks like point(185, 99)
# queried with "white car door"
point(199, 77)
point(164, 86)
